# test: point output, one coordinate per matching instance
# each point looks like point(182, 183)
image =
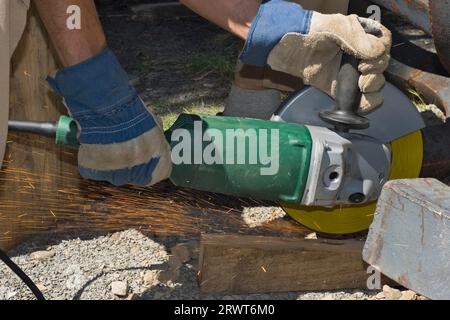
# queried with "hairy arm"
point(235, 16)
point(72, 46)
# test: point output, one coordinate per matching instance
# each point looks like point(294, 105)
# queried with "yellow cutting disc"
point(407, 158)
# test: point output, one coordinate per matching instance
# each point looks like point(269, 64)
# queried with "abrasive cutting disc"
point(407, 158)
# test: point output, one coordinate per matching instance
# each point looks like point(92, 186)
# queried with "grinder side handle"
point(348, 97)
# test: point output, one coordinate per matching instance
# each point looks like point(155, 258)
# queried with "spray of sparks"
point(41, 191)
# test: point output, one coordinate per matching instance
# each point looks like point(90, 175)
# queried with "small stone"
point(42, 255)
point(391, 293)
point(119, 288)
point(183, 252)
point(10, 295)
point(41, 287)
point(135, 250)
point(116, 236)
point(311, 236)
point(150, 278)
point(408, 295)
point(379, 296)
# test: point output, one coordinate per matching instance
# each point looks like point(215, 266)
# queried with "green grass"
point(422, 106)
point(418, 100)
point(169, 111)
point(218, 64)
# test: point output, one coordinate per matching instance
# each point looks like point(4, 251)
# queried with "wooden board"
point(30, 161)
point(233, 264)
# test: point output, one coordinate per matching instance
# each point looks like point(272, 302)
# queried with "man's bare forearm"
point(72, 45)
point(235, 16)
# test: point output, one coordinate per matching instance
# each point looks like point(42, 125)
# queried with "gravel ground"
point(128, 265)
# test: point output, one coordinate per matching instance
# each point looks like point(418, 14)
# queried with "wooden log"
point(233, 264)
point(409, 240)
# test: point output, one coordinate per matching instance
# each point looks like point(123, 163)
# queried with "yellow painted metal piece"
point(407, 159)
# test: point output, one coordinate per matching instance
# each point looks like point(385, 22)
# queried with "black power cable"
point(15, 268)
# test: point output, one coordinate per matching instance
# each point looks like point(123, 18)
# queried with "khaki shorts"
point(13, 15)
point(250, 77)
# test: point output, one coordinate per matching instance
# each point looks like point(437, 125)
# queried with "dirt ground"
point(178, 62)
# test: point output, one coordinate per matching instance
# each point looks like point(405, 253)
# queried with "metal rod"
point(42, 128)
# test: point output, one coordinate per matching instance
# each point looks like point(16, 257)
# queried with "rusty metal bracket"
point(434, 88)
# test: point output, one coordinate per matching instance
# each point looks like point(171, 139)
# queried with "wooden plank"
point(409, 240)
point(31, 99)
point(234, 264)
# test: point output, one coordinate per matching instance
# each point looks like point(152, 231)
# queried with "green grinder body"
point(241, 157)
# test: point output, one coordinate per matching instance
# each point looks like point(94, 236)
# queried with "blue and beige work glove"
point(309, 45)
point(120, 140)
